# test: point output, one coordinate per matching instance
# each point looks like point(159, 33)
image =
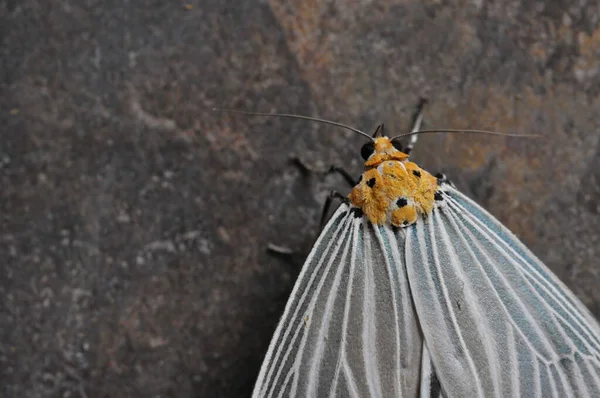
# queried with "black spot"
point(367, 150)
point(401, 202)
point(417, 173)
point(371, 182)
point(438, 196)
point(442, 179)
point(405, 222)
point(358, 213)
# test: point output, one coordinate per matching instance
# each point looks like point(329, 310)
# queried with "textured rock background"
point(134, 221)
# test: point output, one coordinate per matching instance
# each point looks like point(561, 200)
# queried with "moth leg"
point(330, 198)
point(295, 258)
point(291, 255)
point(283, 250)
point(333, 194)
point(286, 252)
point(417, 121)
point(306, 168)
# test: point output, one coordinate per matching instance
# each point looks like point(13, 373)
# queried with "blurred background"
point(135, 221)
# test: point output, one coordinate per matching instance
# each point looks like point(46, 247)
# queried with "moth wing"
point(430, 384)
point(349, 328)
point(496, 321)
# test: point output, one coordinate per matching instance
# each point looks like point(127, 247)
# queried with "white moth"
point(412, 289)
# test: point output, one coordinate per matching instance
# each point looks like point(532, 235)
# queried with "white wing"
point(430, 384)
point(496, 321)
point(349, 328)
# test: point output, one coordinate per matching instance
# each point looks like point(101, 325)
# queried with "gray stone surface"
point(135, 220)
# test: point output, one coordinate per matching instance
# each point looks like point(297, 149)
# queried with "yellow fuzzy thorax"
point(392, 189)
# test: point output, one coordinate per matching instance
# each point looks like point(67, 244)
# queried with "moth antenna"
point(463, 131)
point(313, 119)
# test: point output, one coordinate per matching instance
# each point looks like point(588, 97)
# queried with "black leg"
point(332, 169)
point(347, 177)
point(295, 258)
point(332, 195)
point(292, 256)
point(285, 252)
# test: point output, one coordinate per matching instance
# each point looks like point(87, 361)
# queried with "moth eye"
point(397, 145)
point(367, 150)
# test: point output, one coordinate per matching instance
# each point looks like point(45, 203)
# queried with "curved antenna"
point(313, 119)
point(461, 131)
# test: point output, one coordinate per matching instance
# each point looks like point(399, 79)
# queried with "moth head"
point(381, 149)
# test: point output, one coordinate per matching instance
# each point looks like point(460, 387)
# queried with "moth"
point(413, 289)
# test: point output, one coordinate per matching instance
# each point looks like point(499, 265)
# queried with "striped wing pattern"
point(349, 328)
point(492, 319)
point(496, 320)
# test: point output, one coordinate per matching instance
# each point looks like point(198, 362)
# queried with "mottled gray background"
point(134, 221)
